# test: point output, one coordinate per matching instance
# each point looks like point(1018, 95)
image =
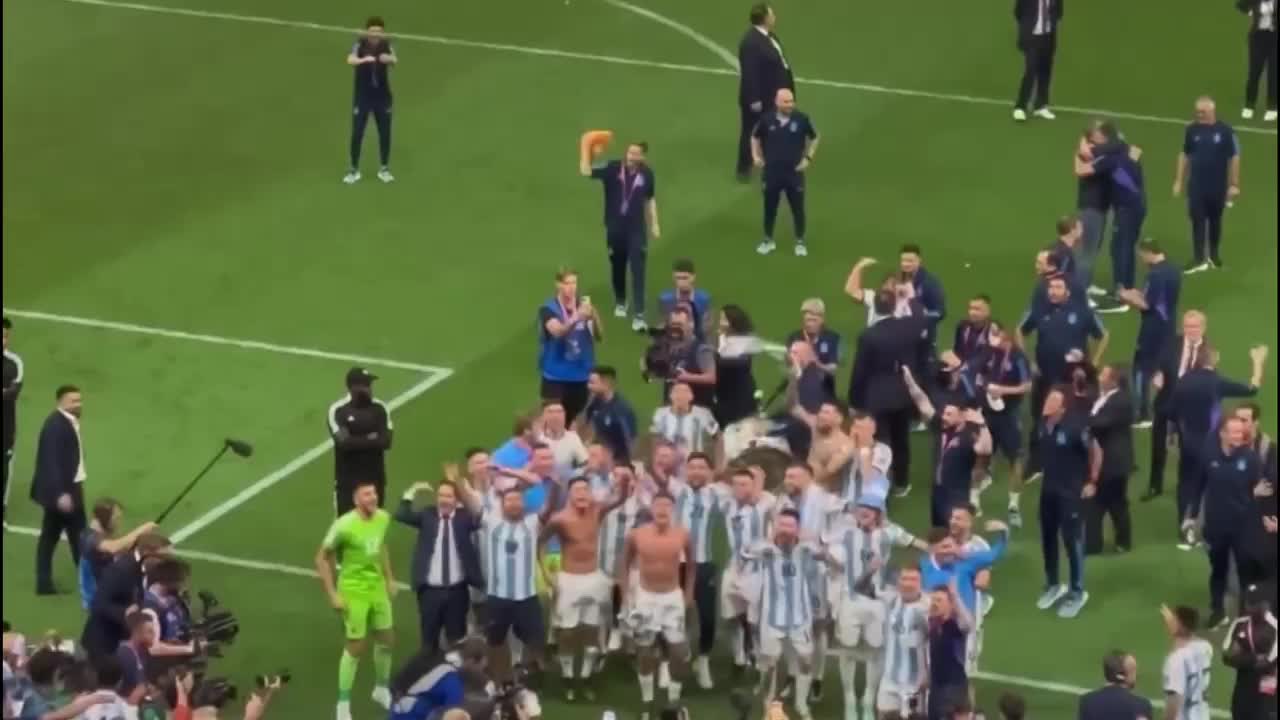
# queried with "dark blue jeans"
point(1124, 245)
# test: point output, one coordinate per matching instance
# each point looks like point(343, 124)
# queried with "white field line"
point(1014, 680)
point(615, 60)
point(716, 49)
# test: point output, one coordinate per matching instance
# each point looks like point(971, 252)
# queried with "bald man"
point(1211, 157)
point(783, 145)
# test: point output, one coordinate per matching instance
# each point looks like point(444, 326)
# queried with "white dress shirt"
point(75, 424)
point(435, 574)
point(1189, 348)
point(1267, 21)
point(1044, 19)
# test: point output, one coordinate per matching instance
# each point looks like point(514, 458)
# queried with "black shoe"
point(815, 692)
point(1150, 495)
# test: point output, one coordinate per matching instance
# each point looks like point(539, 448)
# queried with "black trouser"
point(1039, 390)
point(1112, 499)
point(749, 119)
point(1206, 207)
point(1224, 548)
point(893, 427)
point(1125, 233)
point(443, 608)
point(344, 495)
point(1037, 69)
point(1190, 478)
point(793, 186)
point(572, 395)
point(54, 524)
point(705, 600)
point(1247, 702)
point(359, 119)
point(1060, 516)
point(628, 247)
point(521, 617)
point(1160, 427)
point(8, 463)
point(1262, 56)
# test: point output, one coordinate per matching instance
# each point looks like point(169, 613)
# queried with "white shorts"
point(774, 642)
point(738, 437)
point(893, 698)
point(656, 614)
point(973, 649)
point(740, 594)
point(859, 622)
point(580, 599)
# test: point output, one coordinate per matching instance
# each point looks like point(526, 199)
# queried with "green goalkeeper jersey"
point(357, 543)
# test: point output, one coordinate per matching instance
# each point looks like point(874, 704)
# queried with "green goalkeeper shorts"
point(366, 611)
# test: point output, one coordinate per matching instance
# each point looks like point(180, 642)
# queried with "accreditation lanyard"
point(628, 188)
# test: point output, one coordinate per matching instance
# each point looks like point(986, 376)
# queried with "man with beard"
point(614, 526)
point(867, 472)
point(973, 334)
point(746, 523)
point(962, 439)
point(830, 449)
point(360, 425)
point(694, 510)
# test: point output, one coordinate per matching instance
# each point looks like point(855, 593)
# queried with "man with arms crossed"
point(362, 591)
point(581, 590)
point(658, 605)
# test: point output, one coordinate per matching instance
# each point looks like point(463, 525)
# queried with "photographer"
point(735, 383)
point(429, 684)
point(678, 356)
point(178, 696)
point(162, 604)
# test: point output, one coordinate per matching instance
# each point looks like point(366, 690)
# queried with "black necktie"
point(444, 549)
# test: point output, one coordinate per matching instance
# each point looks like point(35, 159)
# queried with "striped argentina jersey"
point(688, 432)
point(975, 544)
point(1186, 673)
point(817, 508)
point(854, 548)
point(512, 549)
point(747, 525)
point(906, 640)
point(613, 534)
point(694, 509)
point(785, 593)
point(856, 484)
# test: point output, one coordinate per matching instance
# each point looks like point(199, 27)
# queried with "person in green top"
point(362, 591)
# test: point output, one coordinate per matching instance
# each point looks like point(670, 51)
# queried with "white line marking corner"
point(716, 49)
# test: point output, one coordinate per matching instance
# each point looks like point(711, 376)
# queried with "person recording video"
point(677, 355)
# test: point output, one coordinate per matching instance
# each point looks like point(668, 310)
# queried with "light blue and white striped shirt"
point(785, 585)
point(694, 509)
point(747, 525)
point(512, 549)
point(613, 534)
point(877, 484)
point(906, 641)
point(1186, 673)
point(688, 432)
point(854, 548)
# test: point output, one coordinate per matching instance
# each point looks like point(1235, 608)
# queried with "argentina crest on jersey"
point(794, 127)
point(1061, 438)
point(1072, 318)
point(1217, 138)
point(1240, 465)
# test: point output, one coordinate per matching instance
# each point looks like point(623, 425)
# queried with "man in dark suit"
point(445, 562)
point(877, 385)
point(1175, 360)
point(119, 589)
point(1038, 22)
point(1116, 700)
point(58, 485)
point(763, 70)
point(1111, 422)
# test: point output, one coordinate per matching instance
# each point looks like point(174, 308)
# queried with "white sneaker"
point(1270, 116)
point(385, 176)
point(984, 483)
point(766, 246)
point(382, 696)
point(638, 324)
point(344, 711)
point(352, 177)
point(1246, 114)
point(1035, 477)
point(801, 250)
point(1045, 113)
point(1019, 114)
point(1142, 425)
point(1095, 291)
point(702, 671)
point(619, 311)
point(664, 675)
point(1051, 596)
point(615, 641)
point(1202, 267)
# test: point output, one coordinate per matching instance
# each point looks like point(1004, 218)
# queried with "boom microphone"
point(240, 447)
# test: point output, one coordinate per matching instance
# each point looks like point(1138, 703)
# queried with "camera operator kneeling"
point(176, 696)
point(431, 687)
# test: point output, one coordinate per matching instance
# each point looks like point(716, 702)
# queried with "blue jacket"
point(427, 520)
point(440, 689)
point(929, 293)
point(964, 570)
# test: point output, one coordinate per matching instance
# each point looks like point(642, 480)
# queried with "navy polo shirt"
point(1209, 150)
point(1128, 187)
point(970, 340)
point(1161, 289)
point(614, 424)
point(372, 80)
point(1064, 449)
point(626, 192)
point(1061, 329)
point(1228, 493)
point(782, 139)
point(698, 303)
point(1064, 257)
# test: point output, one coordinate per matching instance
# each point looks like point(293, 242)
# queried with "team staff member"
point(783, 144)
point(360, 425)
point(1231, 473)
point(630, 218)
point(1110, 422)
point(1250, 647)
point(372, 58)
point(58, 485)
point(1116, 700)
point(609, 416)
point(12, 387)
point(569, 328)
point(763, 71)
point(1038, 22)
point(1262, 55)
point(1093, 202)
point(1111, 157)
point(1211, 152)
point(825, 341)
point(1158, 303)
point(1175, 360)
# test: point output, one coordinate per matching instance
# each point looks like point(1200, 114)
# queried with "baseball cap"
point(360, 376)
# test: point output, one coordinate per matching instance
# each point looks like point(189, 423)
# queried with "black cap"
point(360, 376)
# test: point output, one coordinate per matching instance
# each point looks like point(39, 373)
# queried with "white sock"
point(872, 686)
point(849, 679)
point(646, 688)
point(590, 656)
point(566, 667)
point(739, 647)
point(673, 691)
point(803, 683)
point(702, 664)
point(1014, 497)
point(517, 648)
point(975, 498)
point(664, 674)
point(820, 656)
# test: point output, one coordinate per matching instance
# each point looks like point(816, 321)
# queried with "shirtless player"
point(658, 605)
point(582, 592)
point(830, 449)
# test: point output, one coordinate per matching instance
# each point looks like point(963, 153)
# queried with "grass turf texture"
point(183, 173)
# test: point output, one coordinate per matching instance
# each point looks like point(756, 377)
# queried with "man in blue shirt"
point(568, 328)
point(928, 289)
point(426, 685)
point(685, 293)
point(1111, 157)
point(945, 562)
point(1232, 471)
point(1211, 153)
point(630, 218)
point(1158, 303)
point(371, 58)
point(783, 145)
point(824, 341)
point(609, 415)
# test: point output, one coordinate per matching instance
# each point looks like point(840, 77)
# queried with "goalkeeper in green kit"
point(362, 593)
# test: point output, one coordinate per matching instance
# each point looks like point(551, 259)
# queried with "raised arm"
point(918, 396)
point(853, 285)
point(118, 545)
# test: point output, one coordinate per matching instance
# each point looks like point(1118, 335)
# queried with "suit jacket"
point(57, 460)
point(1112, 427)
point(1197, 403)
point(1027, 11)
point(1114, 703)
point(427, 520)
point(876, 384)
point(119, 587)
point(761, 71)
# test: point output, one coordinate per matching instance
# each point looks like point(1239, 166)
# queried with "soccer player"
point(565, 443)
point(608, 415)
point(950, 624)
point(947, 559)
point(582, 591)
point(868, 470)
point(830, 448)
point(961, 530)
point(690, 428)
point(613, 536)
point(371, 58)
point(746, 523)
point(658, 605)
point(905, 678)
point(1158, 303)
point(694, 509)
point(973, 334)
point(997, 377)
point(1211, 152)
point(361, 592)
point(903, 293)
point(783, 144)
point(12, 387)
point(1187, 667)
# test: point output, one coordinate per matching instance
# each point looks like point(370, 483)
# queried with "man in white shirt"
point(57, 485)
point(904, 293)
point(690, 428)
point(565, 444)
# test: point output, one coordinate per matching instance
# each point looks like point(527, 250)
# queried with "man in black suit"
point(1038, 22)
point(763, 70)
point(1111, 422)
point(445, 562)
point(877, 386)
point(1116, 700)
point(58, 485)
point(1178, 357)
point(119, 589)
